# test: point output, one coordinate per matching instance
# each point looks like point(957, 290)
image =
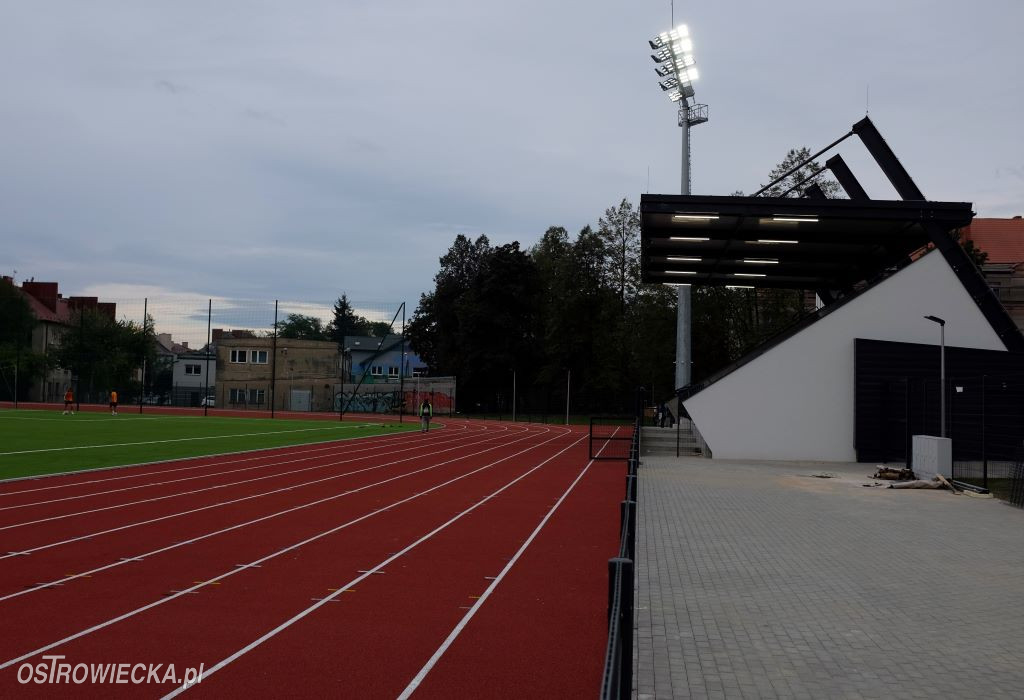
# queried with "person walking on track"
point(426, 410)
point(69, 401)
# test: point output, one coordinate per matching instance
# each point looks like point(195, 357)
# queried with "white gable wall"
point(796, 401)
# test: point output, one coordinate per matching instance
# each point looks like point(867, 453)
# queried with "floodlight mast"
point(674, 56)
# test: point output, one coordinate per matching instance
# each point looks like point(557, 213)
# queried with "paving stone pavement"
point(761, 581)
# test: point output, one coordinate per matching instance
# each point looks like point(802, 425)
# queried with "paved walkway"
point(760, 581)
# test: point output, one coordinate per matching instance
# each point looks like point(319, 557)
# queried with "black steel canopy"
point(819, 244)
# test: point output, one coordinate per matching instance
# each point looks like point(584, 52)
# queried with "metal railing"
point(1015, 493)
point(604, 432)
point(617, 681)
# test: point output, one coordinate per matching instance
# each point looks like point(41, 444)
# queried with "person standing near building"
point(113, 402)
point(426, 410)
point(69, 401)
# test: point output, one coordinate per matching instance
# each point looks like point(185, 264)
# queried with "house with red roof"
point(1003, 241)
point(53, 312)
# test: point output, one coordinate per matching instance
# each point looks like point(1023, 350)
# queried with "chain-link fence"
point(984, 421)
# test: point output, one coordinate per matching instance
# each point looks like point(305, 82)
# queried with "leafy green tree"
point(347, 322)
point(791, 185)
point(619, 230)
point(105, 354)
point(978, 256)
point(301, 327)
point(16, 356)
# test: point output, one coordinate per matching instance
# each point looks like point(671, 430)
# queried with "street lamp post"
point(942, 372)
point(674, 56)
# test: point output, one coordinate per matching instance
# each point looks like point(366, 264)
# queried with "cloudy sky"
point(299, 150)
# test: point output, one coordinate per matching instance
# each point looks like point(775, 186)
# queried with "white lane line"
point(215, 460)
point(174, 481)
point(258, 562)
point(86, 574)
point(460, 445)
point(77, 420)
point(457, 630)
point(64, 516)
point(188, 439)
point(341, 589)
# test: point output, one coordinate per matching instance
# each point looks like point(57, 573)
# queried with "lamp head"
point(936, 319)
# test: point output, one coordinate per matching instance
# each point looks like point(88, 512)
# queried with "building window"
point(193, 369)
point(377, 370)
point(239, 356)
point(393, 372)
point(258, 357)
point(237, 396)
point(256, 395)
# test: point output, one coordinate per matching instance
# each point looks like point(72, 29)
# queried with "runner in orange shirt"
point(113, 403)
point(69, 401)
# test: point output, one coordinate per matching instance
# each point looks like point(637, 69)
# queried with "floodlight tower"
point(673, 52)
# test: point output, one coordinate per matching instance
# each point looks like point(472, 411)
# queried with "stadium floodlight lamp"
point(674, 65)
point(669, 37)
point(682, 47)
point(738, 286)
point(670, 84)
point(689, 239)
point(749, 274)
point(761, 261)
point(676, 258)
point(680, 272)
point(771, 241)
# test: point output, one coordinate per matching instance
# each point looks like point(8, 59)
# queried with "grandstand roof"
point(783, 242)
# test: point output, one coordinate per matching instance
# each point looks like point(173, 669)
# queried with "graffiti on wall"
point(388, 401)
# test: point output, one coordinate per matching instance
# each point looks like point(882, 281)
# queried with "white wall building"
point(796, 400)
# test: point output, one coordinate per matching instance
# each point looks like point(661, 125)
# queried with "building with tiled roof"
point(53, 312)
point(1003, 241)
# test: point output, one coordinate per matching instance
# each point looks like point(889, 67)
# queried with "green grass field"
point(47, 442)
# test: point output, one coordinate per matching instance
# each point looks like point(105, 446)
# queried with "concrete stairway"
point(662, 441)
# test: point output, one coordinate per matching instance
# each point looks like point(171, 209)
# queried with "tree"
point(302, 327)
point(105, 353)
point(978, 256)
point(619, 229)
point(790, 186)
point(347, 323)
point(16, 355)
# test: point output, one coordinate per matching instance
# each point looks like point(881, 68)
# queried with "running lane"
point(391, 623)
point(44, 615)
point(143, 572)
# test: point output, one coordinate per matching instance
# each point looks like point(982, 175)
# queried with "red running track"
point(466, 562)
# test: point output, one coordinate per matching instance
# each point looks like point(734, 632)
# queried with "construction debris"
point(917, 484)
point(893, 474)
point(947, 484)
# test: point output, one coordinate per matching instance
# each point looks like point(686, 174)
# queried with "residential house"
point(53, 312)
point(380, 362)
point(193, 372)
point(1003, 240)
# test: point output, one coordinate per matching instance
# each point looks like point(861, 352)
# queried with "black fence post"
point(626, 630)
point(627, 518)
point(984, 451)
